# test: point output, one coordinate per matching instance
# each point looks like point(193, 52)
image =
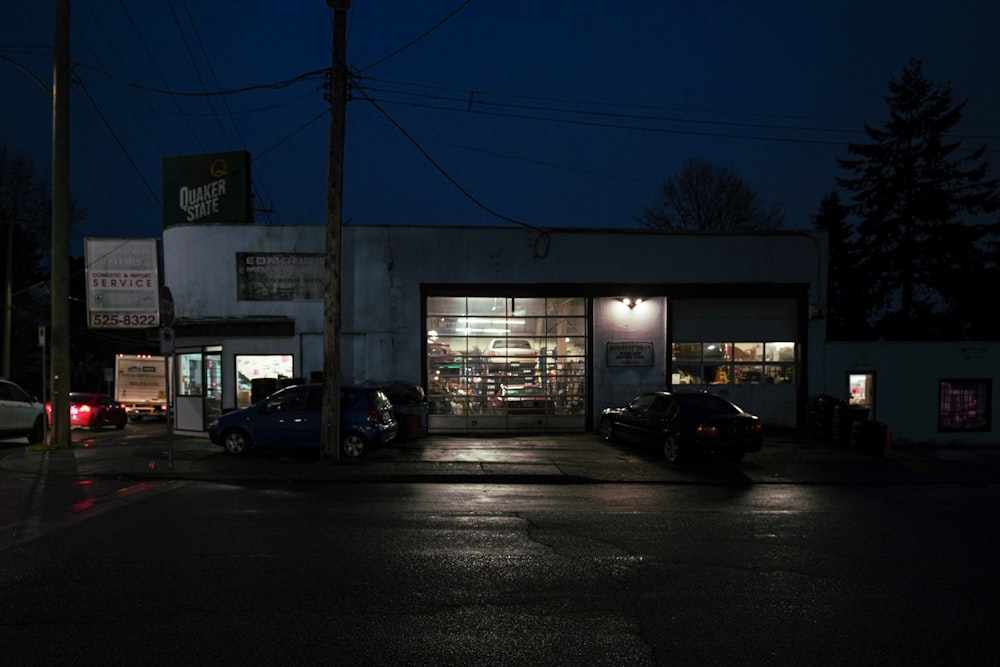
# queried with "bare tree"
point(704, 197)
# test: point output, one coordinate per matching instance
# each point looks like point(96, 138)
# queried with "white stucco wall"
point(199, 264)
point(907, 383)
point(383, 268)
point(387, 265)
point(615, 322)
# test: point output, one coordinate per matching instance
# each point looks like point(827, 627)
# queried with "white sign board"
point(122, 283)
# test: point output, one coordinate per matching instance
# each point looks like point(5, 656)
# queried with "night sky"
point(548, 113)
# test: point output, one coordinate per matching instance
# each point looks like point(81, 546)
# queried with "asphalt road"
point(475, 571)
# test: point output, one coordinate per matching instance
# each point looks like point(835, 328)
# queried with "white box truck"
point(141, 385)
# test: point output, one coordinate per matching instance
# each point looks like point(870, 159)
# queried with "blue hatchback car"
point(293, 417)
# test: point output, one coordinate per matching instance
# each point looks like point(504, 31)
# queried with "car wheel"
point(672, 449)
point(37, 434)
point(353, 446)
point(607, 429)
point(236, 442)
point(120, 425)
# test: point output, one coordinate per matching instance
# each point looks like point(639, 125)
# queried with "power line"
point(208, 93)
point(156, 67)
point(419, 37)
point(197, 70)
point(443, 172)
point(114, 135)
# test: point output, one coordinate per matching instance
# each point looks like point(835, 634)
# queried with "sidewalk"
point(544, 458)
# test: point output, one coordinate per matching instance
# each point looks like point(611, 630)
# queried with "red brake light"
point(373, 415)
point(83, 408)
point(706, 431)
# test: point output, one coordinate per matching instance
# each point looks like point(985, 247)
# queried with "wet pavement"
point(545, 458)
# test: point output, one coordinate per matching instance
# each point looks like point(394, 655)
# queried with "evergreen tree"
point(918, 202)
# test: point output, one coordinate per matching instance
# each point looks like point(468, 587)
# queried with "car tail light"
point(706, 431)
point(373, 415)
point(757, 428)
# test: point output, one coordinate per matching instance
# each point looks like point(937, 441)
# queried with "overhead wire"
point(442, 170)
point(418, 38)
point(124, 63)
point(254, 183)
point(159, 72)
point(197, 70)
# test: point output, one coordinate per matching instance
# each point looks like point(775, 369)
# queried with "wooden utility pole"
point(334, 210)
point(60, 376)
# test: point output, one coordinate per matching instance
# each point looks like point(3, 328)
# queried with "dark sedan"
point(685, 425)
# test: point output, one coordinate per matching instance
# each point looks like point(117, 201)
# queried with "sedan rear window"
point(705, 406)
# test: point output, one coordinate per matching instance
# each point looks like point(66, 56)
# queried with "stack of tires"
point(869, 436)
point(844, 418)
point(820, 418)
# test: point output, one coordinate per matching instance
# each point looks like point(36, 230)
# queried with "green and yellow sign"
point(213, 187)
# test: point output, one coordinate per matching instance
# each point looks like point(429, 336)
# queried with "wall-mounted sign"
point(279, 276)
point(122, 283)
point(630, 354)
point(213, 187)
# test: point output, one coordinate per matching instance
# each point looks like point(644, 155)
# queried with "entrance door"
point(213, 384)
point(861, 390)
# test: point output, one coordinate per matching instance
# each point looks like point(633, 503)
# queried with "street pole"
point(334, 211)
point(60, 383)
point(8, 311)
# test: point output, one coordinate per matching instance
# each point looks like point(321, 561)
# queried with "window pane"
point(687, 351)
point(748, 374)
point(965, 405)
point(189, 373)
point(717, 351)
point(686, 374)
point(250, 367)
point(748, 352)
point(779, 351)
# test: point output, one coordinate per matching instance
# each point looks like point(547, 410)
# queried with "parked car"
point(93, 411)
point(685, 425)
point(521, 400)
point(439, 353)
point(510, 353)
point(409, 403)
point(293, 417)
point(21, 415)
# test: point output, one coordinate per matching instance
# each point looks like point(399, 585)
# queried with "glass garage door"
point(506, 363)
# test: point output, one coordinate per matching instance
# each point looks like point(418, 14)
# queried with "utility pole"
point(8, 311)
point(334, 210)
point(60, 377)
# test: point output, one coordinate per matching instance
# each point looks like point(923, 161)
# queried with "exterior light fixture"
point(631, 302)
